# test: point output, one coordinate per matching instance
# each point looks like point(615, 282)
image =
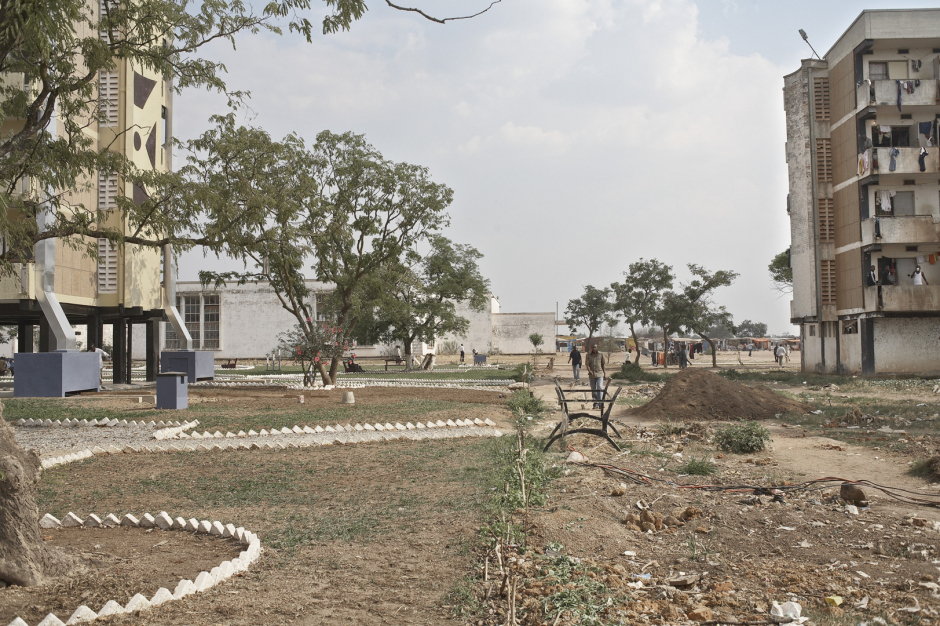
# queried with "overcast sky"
point(578, 136)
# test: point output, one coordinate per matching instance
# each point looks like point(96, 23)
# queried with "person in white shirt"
point(780, 353)
point(918, 277)
point(102, 355)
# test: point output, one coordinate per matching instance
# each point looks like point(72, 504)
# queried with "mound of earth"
point(697, 394)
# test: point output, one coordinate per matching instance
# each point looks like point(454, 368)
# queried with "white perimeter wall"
point(511, 331)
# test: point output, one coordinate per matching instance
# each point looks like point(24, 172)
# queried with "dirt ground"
point(385, 533)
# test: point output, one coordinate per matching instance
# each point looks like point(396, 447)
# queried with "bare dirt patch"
point(121, 562)
point(696, 394)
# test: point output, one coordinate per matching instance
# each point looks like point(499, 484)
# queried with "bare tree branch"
point(436, 19)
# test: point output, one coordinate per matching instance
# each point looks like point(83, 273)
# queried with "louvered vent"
point(824, 160)
point(827, 227)
point(108, 98)
point(107, 267)
point(821, 99)
point(828, 281)
point(107, 191)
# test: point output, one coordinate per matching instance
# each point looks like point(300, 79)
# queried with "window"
point(188, 307)
point(210, 322)
point(850, 328)
point(812, 330)
point(896, 137)
point(877, 70)
point(321, 308)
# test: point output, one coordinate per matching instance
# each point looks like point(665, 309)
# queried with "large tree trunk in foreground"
point(24, 559)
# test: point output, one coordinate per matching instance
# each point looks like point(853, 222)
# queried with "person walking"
point(102, 355)
point(780, 353)
point(597, 372)
point(461, 353)
point(574, 357)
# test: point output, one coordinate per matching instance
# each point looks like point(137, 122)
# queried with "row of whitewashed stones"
point(163, 521)
point(296, 437)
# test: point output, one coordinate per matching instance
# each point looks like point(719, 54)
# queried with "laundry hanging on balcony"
point(908, 86)
point(922, 159)
point(886, 195)
point(862, 163)
point(893, 165)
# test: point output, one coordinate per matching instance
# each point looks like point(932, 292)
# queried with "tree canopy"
point(747, 328)
point(781, 274)
point(639, 296)
point(592, 310)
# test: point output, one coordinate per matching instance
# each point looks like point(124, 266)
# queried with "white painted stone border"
point(31, 423)
point(163, 521)
point(305, 438)
point(176, 431)
point(345, 384)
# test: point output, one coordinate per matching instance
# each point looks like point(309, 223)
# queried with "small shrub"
point(670, 428)
point(633, 371)
point(524, 373)
point(926, 468)
point(697, 467)
point(448, 347)
point(742, 438)
point(522, 402)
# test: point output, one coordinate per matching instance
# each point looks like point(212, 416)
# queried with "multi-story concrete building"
point(864, 173)
point(61, 286)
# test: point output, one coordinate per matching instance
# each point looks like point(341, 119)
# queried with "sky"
point(578, 135)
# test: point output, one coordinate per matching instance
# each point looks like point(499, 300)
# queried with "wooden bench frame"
point(561, 430)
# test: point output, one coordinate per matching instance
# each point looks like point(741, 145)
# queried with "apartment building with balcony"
point(62, 288)
point(863, 155)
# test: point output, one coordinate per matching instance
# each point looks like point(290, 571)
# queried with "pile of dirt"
point(697, 394)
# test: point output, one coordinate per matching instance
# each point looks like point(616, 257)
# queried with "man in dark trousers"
point(597, 372)
point(574, 357)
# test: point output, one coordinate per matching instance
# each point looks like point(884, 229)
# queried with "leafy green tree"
point(670, 314)
point(277, 206)
point(781, 274)
point(592, 310)
point(747, 328)
point(536, 340)
point(639, 296)
point(696, 308)
point(419, 303)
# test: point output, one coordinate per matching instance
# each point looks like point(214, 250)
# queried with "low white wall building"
point(246, 322)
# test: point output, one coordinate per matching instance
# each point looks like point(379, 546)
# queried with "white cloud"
point(565, 127)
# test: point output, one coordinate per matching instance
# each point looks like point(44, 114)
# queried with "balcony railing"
point(885, 93)
point(903, 298)
point(906, 229)
point(907, 161)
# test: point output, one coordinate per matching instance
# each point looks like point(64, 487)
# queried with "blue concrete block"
point(172, 390)
point(54, 374)
point(197, 364)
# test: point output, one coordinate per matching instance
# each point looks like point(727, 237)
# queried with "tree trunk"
point(24, 559)
point(665, 349)
point(636, 345)
point(408, 356)
point(324, 375)
point(711, 345)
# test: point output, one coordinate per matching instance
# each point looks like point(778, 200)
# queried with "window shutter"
point(821, 99)
point(827, 229)
point(107, 191)
point(107, 267)
point(108, 99)
point(824, 160)
point(828, 281)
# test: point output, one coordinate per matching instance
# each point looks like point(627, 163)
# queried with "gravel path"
point(59, 440)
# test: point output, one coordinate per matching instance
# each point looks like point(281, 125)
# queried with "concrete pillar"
point(93, 333)
point(24, 338)
point(46, 338)
point(202, 322)
point(130, 352)
point(119, 351)
point(153, 349)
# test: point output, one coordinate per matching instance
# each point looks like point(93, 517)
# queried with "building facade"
point(864, 180)
point(62, 287)
point(246, 322)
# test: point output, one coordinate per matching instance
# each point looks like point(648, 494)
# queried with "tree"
point(781, 274)
point(670, 315)
point(419, 303)
point(310, 348)
point(356, 216)
point(639, 296)
point(57, 49)
point(697, 310)
point(536, 340)
point(591, 310)
point(747, 328)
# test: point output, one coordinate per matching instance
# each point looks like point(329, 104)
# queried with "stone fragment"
point(297, 430)
point(853, 494)
point(700, 614)
point(478, 421)
point(51, 620)
point(226, 570)
point(420, 426)
point(399, 426)
point(216, 528)
point(252, 433)
point(441, 424)
point(112, 449)
point(489, 422)
point(97, 451)
point(230, 435)
point(162, 596)
point(192, 525)
point(130, 520)
point(163, 521)
point(147, 521)
point(309, 430)
point(330, 429)
point(368, 427)
point(18, 622)
point(183, 589)
point(286, 431)
point(137, 603)
point(111, 608)
point(203, 581)
point(179, 523)
point(229, 531)
point(110, 520)
point(48, 521)
point(129, 449)
point(358, 427)
point(264, 433)
point(389, 426)
point(379, 427)
point(92, 521)
point(82, 614)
